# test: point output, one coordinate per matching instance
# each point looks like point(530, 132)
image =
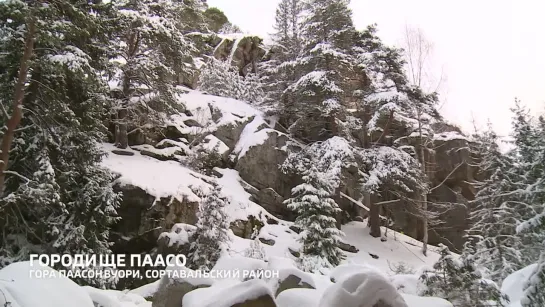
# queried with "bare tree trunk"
point(424, 197)
point(19, 94)
point(121, 133)
point(374, 216)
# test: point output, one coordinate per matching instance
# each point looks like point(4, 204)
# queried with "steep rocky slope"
point(242, 143)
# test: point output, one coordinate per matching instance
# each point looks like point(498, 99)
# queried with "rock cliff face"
point(244, 52)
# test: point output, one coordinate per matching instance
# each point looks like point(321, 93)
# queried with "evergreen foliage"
point(459, 282)
point(212, 231)
point(321, 166)
point(57, 198)
point(492, 240)
point(221, 79)
point(149, 56)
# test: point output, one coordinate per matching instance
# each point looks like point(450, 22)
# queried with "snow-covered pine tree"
point(256, 250)
point(191, 16)
point(313, 200)
point(150, 54)
point(221, 79)
point(212, 231)
point(277, 73)
point(389, 105)
point(458, 281)
point(388, 169)
point(528, 156)
point(318, 93)
point(58, 199)
point(530, 152)
point(492, 241)
point(316, 210)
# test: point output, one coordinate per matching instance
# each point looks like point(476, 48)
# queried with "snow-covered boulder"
point(259, 156)
point(251, 293)
point(344, 271)
point(230, 133)
point(291, 278)
point(364, 289)
point(419, 301)
point(177, 241)
point(114, 298)
point(147, 291)
point(171, 291)
point(298, 298)
point(22, 287)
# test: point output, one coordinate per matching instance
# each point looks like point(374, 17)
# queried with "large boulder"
point(298, 297)
point(26, 284)
point(177, 241)
point(271, 201)
point(230, 133)
point(260, 167)
point(245, 228)
point(144, 218)
point(364, 289)
point(294, 280)
point(244, 52)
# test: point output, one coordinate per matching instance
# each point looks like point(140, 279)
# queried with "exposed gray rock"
point(270, 242)
point(292, 282)
point(143, 218)
point(230, 134)
point(246, 53)
point(296, 229)
point(348, 248)
point(122, 152)
point(245, 228)
point(260, 167)
point(295, 253)
point(159, 156)
point(192, 123)
point(271, 201)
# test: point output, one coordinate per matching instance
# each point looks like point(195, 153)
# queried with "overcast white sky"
point(491, 50)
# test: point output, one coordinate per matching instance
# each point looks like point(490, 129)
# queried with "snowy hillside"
point(170, 178)
point(277, 239)
point(314, 170)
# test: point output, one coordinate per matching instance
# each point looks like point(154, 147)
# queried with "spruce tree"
point(150, 55)
point(318, 93)
point(316, 209)
point(256, 250)
point(492, 239)
point(458, 281)
point(313, 200)
point(212, 231)
point(221, 79)
point(58, 199)
point(277, 73)
point(528, 158)
point(534, 296)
